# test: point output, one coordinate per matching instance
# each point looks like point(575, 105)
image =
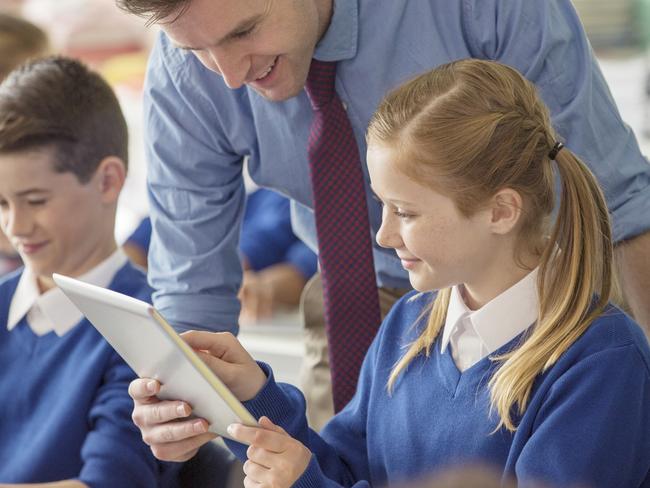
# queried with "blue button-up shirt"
point(198, 132)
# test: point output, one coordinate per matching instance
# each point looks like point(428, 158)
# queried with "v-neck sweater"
point(587, 421)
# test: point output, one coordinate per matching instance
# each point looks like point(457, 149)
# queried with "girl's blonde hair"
point(468, 129)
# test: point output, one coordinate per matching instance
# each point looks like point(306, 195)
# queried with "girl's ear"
point(506, 208)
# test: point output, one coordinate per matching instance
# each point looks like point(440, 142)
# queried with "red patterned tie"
point(344, 242)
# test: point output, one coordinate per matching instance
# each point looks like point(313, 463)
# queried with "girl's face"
point(437, 245)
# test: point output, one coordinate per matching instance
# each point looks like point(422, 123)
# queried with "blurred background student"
point(277, 264)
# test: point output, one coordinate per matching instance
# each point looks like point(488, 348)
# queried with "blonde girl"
point(508, 352)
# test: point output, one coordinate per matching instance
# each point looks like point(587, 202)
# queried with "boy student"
point(65, 415)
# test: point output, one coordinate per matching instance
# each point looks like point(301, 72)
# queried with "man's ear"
point(506, 207)
point(109, 177)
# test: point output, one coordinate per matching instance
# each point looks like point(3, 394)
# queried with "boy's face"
point(267, 45)
point(56, 223)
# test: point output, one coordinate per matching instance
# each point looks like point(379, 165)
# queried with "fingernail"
point(151, 386)
point(231, 429)
point(198, 426)
point(181, 410)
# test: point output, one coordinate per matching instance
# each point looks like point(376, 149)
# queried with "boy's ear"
point(110, 176)
point(506, 209)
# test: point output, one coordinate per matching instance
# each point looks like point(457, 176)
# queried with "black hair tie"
point(556, 149)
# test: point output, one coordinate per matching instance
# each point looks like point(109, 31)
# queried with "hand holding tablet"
point(184, 370)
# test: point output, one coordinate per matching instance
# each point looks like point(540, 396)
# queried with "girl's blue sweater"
point(587, 422)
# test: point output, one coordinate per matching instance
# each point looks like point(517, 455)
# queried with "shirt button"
point(345, 106)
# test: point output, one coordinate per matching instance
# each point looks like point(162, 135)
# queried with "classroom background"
point(117, 45)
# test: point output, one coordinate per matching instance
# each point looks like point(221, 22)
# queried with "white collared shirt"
point(52, 311)
point(473, 335)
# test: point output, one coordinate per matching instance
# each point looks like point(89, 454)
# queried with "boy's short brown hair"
point(58, 103)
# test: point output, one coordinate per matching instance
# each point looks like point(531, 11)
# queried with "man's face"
point(265, 44)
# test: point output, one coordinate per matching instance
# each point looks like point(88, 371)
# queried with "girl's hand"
point(165, 425)
point(275, 459)
point(228, 359)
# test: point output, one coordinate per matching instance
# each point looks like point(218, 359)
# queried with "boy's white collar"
point(52, 311)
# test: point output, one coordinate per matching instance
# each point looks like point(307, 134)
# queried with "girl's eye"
point(36, 203)
point(402, 215)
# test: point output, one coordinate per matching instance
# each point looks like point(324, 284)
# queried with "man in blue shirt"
point(226, 80)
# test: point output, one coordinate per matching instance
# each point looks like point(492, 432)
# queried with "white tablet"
point(152, 348)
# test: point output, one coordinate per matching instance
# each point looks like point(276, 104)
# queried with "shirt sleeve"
point(546, 42)
point(593, 426)
point(196, 195)
point(113, 453)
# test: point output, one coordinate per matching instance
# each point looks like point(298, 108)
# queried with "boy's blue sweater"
point(65, 412)
point(587, 422)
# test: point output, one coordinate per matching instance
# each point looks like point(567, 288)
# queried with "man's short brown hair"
point(58, 103)
point(154, 10)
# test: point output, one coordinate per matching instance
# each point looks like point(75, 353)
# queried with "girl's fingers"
point(268, 424)
point(171, 432)
point(273, 441)
point(255, 471)
point(216, 343)
point(181, 451)
point(144, 390)
point(261, 456)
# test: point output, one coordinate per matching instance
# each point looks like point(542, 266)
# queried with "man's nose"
point(233, 66)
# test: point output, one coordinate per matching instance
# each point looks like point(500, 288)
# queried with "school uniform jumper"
point(587, 421)
point(65, 412)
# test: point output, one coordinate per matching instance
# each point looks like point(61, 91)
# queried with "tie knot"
point(320, 83)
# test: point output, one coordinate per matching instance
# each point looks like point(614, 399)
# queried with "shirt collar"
point(340, 40)
point(52, 311)
point(501, 319)
point(456, 311)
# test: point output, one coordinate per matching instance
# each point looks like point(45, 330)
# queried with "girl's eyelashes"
point(395, 210)
point(402, 215)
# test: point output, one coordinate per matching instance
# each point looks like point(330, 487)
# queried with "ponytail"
point(575, 266)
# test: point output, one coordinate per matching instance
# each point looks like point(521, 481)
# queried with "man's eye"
point(36, 203)
point(244, 33)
